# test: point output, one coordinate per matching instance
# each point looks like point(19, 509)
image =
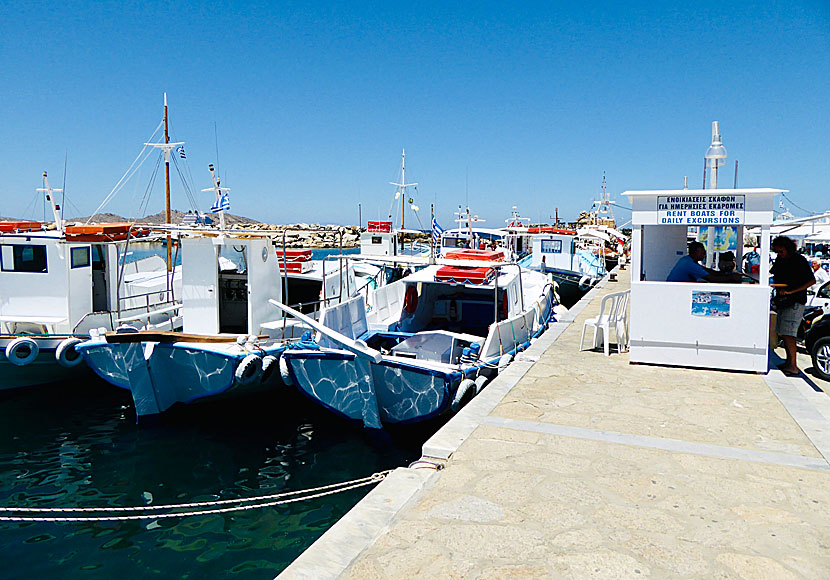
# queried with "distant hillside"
point(158, 218)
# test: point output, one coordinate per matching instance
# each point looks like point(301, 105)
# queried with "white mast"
point(403, 185)
point(51, 199)
point(218, 191)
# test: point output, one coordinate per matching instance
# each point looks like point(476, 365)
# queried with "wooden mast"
point(167, 217)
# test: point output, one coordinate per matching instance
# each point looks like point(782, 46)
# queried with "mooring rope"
point(258, 502)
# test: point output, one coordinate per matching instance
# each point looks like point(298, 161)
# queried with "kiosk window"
point(551, 246)
point(80, 257)
point(377, 240)
point(23, 258)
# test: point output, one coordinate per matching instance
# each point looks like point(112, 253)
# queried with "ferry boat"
point(431, 341)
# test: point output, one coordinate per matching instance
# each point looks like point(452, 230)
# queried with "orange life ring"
point(410, 301)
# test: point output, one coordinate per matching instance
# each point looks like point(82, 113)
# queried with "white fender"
point(584, 282)
point(463, 389)
point(269, 364)
point(248, 370)
point(481, 380)
point(66, 355)
point(15, 346)
point(505, 360)
point(285, 374)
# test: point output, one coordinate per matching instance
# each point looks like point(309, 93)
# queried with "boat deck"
point(576, 465)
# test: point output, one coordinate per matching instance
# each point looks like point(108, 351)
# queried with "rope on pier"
point(257, 503)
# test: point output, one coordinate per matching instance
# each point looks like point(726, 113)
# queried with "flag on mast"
point(221, 204)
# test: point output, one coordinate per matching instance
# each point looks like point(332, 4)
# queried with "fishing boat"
point(575, 262)
point(429, 343)
point(232, 339)
point(60, 282)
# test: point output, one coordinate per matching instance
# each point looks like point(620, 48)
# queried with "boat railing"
point(339, 234)
point(171, 272)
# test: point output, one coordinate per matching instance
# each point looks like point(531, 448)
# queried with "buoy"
point(269, 363)
point(248, 370)
point(284, 373)
point(66, 355)
point(465, 387)
point(22, 351)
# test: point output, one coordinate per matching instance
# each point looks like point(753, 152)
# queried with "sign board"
point(700, 209)
point(711, 304)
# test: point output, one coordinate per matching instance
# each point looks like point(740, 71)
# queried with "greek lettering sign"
point(700, 209)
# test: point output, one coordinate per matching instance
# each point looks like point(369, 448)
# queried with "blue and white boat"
point(575, 262)
point(429, 342)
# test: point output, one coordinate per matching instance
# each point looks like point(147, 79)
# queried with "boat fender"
point(285, 374)
point(505, 360)
point(465, 387)
point(481, 380)
point(248, 370)
point(22, 351)
point(66, 355)
point(584, 283)
point(269, 364)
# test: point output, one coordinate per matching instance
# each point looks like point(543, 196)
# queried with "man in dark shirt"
point(792, 275)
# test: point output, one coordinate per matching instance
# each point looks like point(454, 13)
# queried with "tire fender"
point(16, 345)
point(248, 370)
point(66, 355)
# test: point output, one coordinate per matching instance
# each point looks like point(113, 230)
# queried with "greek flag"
point(222, 204)
point(436, 232)
point(180, 151)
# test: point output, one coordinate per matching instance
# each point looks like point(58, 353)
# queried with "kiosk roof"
point(679, 192)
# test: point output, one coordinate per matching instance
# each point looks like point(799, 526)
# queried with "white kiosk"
point(697, 324)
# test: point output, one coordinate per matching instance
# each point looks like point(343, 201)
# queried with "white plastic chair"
point(613, 314)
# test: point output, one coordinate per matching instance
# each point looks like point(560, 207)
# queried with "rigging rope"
point(129, 173)
point(258, 502)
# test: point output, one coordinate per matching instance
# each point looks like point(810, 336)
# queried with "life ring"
point(29, 349)
point(410, 301)
point(248, 370)
point(585, 282)
point(285, 373)
point(269, 363)
point(66, 355)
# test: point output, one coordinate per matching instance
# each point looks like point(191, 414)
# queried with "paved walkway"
point(580, 466)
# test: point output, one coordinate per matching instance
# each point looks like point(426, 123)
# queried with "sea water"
point(73, 445)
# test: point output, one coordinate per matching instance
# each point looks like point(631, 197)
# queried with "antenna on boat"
point(51, 199)
point(218, 190)
point(403, 185)
point(166, 147)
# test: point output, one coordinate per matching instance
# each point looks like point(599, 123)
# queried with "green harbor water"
point(71, 445)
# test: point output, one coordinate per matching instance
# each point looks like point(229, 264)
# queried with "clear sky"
point(500, 104)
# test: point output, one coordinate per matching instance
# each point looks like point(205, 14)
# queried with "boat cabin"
point(69, 283)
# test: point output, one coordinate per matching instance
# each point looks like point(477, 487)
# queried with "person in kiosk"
point(792, 275)
point(688, 268)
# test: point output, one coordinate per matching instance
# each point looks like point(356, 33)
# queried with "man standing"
point(820, 275)
point(792, 276)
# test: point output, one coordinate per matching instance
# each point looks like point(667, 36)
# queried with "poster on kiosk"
point(698, 324)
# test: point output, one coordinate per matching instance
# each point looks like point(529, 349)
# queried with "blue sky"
point(497, 104)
